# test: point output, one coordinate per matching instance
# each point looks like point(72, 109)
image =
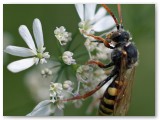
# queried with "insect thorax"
point(132, 54)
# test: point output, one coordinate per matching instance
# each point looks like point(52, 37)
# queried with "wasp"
point(124, 58)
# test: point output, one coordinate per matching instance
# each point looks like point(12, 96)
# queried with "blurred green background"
point(138, 19)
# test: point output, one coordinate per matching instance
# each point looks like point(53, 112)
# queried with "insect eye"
point(125, 35)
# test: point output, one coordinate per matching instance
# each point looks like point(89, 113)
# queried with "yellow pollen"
point(39, 55)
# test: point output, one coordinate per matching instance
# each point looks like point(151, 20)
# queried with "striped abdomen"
point(107, 103)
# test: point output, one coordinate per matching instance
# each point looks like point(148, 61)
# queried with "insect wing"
point(123, 99)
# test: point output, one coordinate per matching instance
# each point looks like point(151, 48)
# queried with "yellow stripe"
point(102, 114)
point(112, 91)
point(107, 110)
point(107, 101)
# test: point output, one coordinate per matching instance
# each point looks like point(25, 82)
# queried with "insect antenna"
point(111, 13)
point(120, 13)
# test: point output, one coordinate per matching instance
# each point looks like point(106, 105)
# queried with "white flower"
point(91, 21)
point(53, 106)
point(57, 95)
point(68, 85)
point(99, 74)
point(103, 52)
point(44, 108)
point(90, 45)
point(90, 76)
point(36, 54)
point(84, 73)
point(67, 58)
point(62, 35)
point(55, 89)
point(47, 108)
point(59, 102)
point(46, 72)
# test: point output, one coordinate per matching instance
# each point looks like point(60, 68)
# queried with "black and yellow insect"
point(117, 96)
point(124, 57)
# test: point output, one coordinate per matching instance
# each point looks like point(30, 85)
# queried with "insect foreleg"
point(105, 42)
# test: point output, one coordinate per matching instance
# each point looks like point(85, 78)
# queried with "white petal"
point(36, 60)
point(38, 34)
point(104, 24)
point(89, 11)
point(42, 61)
point(100, 14)
point(80, 10)
point(41, 104)
point(25, 34)
point(58, 112)
point(19, 51)
point(44, 108)
point(20, 65)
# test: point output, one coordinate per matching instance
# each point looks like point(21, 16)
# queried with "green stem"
point(54, 66)
point(73, 38)
point(77, 47)
point(59, 47)
point(80, 55)
point(90, 56)
point(78, 87)
point(59, 73)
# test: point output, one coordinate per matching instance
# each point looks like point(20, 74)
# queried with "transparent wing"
point(125, 79)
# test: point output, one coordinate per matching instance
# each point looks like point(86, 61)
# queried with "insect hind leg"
point(113, 73)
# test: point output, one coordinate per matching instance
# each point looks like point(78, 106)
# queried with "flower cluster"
point(59, 92)
point(103, 53)
point(63, 36)
point(90, 45)
point(89, 76)
point(46, 72)
point(37, 54)
point(93, 22)
point(68, 85)
point(52, 86)
point(56, 94)
point(67, 58)
point(100, 51)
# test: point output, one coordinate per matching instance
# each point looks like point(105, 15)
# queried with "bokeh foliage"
point(138, 19)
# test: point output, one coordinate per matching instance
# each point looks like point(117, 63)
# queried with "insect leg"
point(101, 65)
point(97, 41)
point(113, 73)
point(100, 39)
point(109, 65)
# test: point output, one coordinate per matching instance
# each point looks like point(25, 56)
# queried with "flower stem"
point(78, 87)
point(90, 56)
point(70, 43)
